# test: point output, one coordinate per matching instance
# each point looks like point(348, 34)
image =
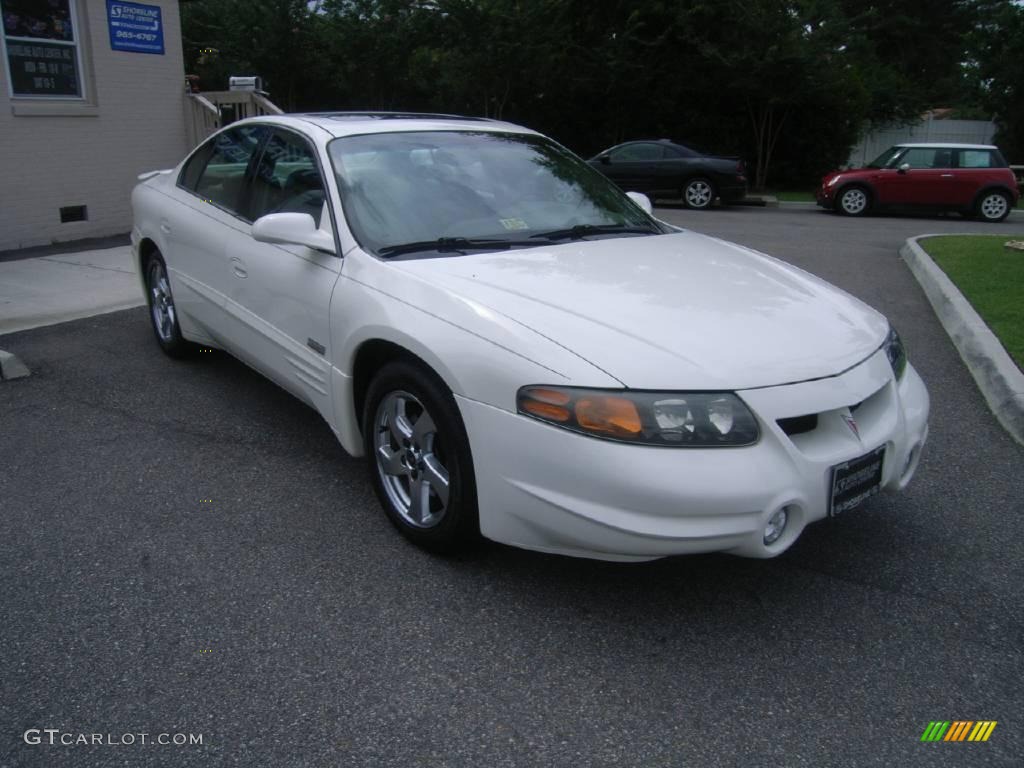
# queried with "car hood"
point(851, 172)
point(675, 311)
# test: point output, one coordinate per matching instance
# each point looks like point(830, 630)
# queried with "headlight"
point(672, 419)
point(832, 182)
point(896, 353)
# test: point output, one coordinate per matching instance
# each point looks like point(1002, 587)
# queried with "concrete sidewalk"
point(53, 289)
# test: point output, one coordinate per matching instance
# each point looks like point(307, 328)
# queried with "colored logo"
point(958, 730)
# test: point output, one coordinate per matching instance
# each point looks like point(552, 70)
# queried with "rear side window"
point(977, 158)
point(678, 151)
point(217, 171)
point(633, 153)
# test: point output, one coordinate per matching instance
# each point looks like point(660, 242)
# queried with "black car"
point(665, 169)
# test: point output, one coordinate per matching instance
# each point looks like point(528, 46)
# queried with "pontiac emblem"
point(851, 423)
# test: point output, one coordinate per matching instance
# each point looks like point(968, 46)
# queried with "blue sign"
point(135, 27)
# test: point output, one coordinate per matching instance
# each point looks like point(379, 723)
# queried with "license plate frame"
point(864, 476)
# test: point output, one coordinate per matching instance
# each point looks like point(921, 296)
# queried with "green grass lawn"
point(991, 277)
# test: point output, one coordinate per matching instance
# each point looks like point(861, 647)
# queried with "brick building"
point(91, 94)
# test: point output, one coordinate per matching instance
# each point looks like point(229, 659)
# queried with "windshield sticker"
point(514, 224)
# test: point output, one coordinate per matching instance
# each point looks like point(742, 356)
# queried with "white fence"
point(955, 131)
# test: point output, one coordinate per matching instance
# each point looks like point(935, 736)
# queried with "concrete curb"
point(11, 367)
point(997, 376)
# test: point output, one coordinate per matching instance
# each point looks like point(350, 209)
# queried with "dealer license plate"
point(855, 481)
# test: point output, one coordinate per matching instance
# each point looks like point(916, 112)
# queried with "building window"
point(42, 49)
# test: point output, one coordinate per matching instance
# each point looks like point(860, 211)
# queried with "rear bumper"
point(732, 190)
point(544, 488)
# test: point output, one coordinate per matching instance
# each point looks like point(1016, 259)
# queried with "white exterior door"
point(210, 196)
point(280, 296)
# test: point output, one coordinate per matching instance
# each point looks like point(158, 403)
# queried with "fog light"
point(776, 525)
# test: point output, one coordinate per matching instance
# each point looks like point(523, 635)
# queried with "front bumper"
point(823, 196)
point(544, 488)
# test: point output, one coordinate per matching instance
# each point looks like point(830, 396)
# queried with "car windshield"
point(887, 159)
point(423, 191)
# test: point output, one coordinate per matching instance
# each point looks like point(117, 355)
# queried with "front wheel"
point(419, 458)
point(993, 207)
point(854, 201)
point(698, 194)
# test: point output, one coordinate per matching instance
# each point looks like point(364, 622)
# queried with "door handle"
point(947, 175)
point(238, 266)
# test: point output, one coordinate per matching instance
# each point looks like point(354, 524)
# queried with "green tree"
point(996, 72)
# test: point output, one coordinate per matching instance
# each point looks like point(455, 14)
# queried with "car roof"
point(353, 123)
point(946, 145)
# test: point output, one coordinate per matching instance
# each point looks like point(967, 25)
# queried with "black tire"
point(445, 526)
point(698, 193)
point(993, 206)
point(163, 316)
point(853, 200)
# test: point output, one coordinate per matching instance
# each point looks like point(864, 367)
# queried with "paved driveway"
point(185, 548)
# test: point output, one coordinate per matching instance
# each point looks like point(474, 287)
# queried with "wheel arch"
point(988, 189)
point(865, 185)
point(147, 247)
point(868, 188)
point(369, 356)
point(694, 175)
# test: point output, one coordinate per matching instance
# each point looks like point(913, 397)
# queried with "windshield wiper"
point(442, 244)
point(582, 230)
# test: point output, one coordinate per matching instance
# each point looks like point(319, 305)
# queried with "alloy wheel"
point(854, 201)
point(698, 194)
point(161, 304)
point(994, 207)
point(410, 460)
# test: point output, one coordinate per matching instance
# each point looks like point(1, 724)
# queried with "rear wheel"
point(419, 458)
point(993, 206)
point(854, 201)
point(698, 194)
point(163, 315)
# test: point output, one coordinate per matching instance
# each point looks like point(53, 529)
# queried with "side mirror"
point(604, 159)
point(904, 168)
point(643, 201)
point(292, 229)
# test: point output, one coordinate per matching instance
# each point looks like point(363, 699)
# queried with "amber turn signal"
point(608, 415)
point(546, 404)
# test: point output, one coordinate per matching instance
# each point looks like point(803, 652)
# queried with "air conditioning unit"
point(245, 83)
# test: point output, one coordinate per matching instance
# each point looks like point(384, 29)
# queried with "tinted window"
point(222, 179)
point(632, 153)
point(678, 150)
point(976, 158)
point(287, 179)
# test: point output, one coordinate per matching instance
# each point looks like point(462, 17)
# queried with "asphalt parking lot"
point(187, 549)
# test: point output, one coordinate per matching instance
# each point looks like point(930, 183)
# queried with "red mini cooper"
point(973, 179)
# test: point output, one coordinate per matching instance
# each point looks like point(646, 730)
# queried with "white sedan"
point(522, 351)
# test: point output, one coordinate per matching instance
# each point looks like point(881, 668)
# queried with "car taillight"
point(740, 168)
